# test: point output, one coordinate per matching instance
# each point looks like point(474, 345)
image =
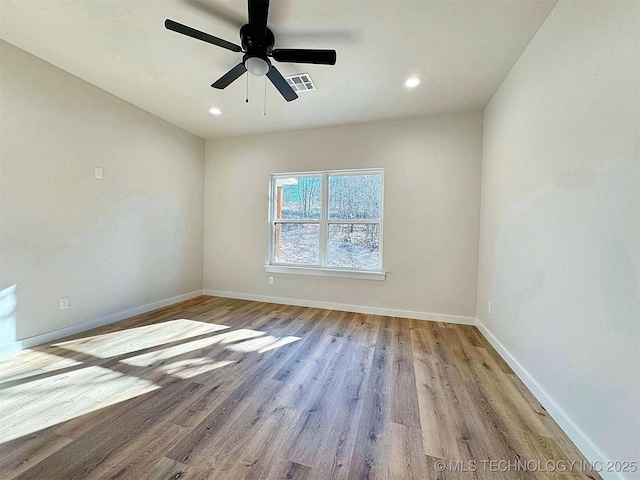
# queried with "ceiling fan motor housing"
point(258, 45)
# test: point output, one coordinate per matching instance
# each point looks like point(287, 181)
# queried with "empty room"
point(310, 239)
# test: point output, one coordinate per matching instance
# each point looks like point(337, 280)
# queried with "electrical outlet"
point(64, 303)
point(489, 307)
point(98, 173)
point(270, 280)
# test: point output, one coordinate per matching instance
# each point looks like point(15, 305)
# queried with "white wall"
point(432, 180)
point(560, 224)
point(131, 239)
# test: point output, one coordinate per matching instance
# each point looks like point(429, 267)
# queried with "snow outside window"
point(328, 220)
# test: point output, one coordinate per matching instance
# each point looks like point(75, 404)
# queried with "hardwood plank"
point(305, 378)
point(370, 458)
point(437, 347)
point(439, 432)
point(304, 353)
point(458, 351)
point(406, 459)
point(338, 323)
point(23, 453)
point(290, 471)
point(315, 422)
point(166, 469)
point(381, 370)
point(338, 443)
point(264, 450)
point(363, 329)
point(404, 394)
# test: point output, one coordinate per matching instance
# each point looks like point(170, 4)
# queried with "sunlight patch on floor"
point(58, 398)
point(262, 344)
point(31, 362)
point(239, 335)
point(55, 397)
point(191, 367)
point(139, 338)
point(280, 342)
point(151, 358)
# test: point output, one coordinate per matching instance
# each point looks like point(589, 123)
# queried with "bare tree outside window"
point(301, 198)
point(344, 232)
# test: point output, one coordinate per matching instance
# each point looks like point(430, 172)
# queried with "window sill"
point(327, 272)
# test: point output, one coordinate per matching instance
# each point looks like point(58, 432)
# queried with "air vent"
point(301, 82)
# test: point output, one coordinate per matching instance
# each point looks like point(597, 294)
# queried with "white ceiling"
point(462, 49)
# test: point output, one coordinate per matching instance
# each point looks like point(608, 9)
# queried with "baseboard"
point(591, 452)
point(72, 330)
point(390, 312)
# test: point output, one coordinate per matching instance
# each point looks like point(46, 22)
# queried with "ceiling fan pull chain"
point(265, 97)
point(247, 97)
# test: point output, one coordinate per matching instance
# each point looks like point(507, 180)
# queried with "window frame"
point(321, 269)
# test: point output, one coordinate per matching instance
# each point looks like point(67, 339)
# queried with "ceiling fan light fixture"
point(257, 66)
point(412, 82)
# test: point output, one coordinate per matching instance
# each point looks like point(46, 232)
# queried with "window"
point(327, 223)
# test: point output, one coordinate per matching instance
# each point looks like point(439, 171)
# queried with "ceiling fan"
point(257, 45)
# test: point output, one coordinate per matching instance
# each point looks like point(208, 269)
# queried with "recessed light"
point(412, 82)
point(215, 111)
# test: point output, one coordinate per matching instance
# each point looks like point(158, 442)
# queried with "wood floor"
point(215, 388)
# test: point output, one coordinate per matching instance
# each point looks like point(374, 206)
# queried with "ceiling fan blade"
point(205, 37)
point(229, 77)
point(258, 13)
point(322, 57)
point(219, 11)
point(281, 84)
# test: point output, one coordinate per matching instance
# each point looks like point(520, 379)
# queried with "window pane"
point(297, 243)
point(298, 198)
point(355, 196)
point(354, 246)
